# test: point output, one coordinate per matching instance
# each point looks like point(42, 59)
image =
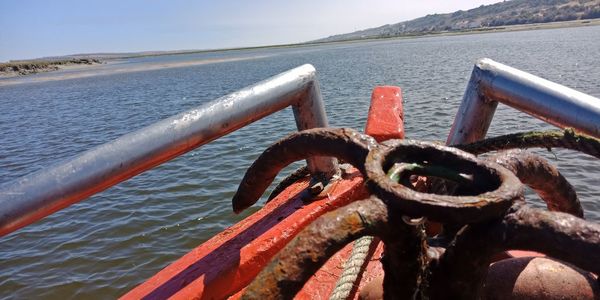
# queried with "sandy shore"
point(28, 67)
point(113, 67)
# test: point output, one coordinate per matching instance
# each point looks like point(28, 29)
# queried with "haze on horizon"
point(37, 28)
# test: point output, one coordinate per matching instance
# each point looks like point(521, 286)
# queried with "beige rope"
point(352, 268)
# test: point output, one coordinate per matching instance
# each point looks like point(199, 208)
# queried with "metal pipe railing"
point(492, 82)
point(34, 196)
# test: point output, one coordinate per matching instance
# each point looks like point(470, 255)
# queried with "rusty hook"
point(345, 143)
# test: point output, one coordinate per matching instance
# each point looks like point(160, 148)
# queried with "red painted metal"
point(320, 285)
point(226, 263)
point(229, 261)
point(385, 121)
point(515, 254)
point(386, 115)
point(373, 270)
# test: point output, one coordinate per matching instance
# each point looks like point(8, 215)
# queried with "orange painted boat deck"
point(224, 265)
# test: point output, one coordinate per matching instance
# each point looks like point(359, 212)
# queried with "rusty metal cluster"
point(479, 202)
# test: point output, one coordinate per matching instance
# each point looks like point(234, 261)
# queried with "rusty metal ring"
point(494, 187)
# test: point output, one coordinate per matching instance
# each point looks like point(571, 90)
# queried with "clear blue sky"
point(31, 29)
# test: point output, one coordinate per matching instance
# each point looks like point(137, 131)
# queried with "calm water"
point(106, 245)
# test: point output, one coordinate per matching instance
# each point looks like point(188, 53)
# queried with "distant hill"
point(512, 12)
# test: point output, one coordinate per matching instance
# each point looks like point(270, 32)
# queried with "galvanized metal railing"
point(492, 82)
point(32, 197)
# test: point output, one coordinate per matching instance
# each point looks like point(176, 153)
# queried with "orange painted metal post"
point(226, 263)
point(386, 114)
point(385, 121)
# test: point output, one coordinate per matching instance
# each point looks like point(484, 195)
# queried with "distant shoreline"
point(507, 28)
point(481, 30)
point(27, 67)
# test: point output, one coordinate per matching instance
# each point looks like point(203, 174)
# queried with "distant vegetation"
point(17, 68)
point(505, 13)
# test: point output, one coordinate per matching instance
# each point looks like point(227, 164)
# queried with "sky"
point(33, 29)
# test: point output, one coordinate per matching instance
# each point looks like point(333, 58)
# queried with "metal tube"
point(34, 196)
point(310, 113)
point(492, 82)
